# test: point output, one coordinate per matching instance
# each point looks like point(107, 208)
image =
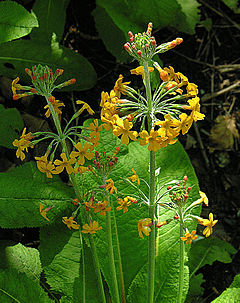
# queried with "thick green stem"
point(78, 194)
point(151, 211)
point(181, 262)
point(115, 294)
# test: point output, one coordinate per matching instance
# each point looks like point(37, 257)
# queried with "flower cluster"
point(43, 79)
point(143, 46)
point(179, 195)
point(105, 163)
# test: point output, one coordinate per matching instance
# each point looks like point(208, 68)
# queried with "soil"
point(204, 57)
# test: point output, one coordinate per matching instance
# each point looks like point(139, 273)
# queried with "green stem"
point(119, 259)
point(181, 262)
point(78, 194)
point(97, 269)
point(151, 211)
point(111, 259)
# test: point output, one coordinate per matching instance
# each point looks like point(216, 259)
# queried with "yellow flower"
point(123, 128)
point(23, 144)
point(192, 90)
point(183, 79)
point(82, 153)
point(101, 208)
point(41, 160)
point(140, 71)
point(172, 75)
point(85, 106)
point(154, 140)
point(143, 227)
point(203, 198)
point(189, 237)
point(209, 225)
point(46, 167)
point(91, 228)
point(120, 87)
point(65, 163)
point(95, 129)
point(194, 106)
point(166, 130)
point(124, 204)
point(56, 104)
point(134, 177)
point(16, 86)
point(70, 223)
point(110, 186)
point(43, 212)
point(184, 124)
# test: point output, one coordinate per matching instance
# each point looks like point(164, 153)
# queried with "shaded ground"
point(211, 60)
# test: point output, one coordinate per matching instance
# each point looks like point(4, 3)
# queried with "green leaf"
point(207, 251)
point(22, 190)
point(195, 290)
point(174, 164)
point(15, 56)
point(233, 5)
point(23, 259)
point(136, 14)
point(17, 287)
point(166, 279)
point(10, 127)
point(51, 17)
point(15, 21)
point(60, 252)
point(111, 35)
point(232, 294)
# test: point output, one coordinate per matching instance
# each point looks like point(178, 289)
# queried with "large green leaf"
point(134, 15)
point(15, 21)
point(10, 127)
point(111, 35)
point(22, 190)
point(232, 294)
point(174, 164)
point(23, 259)
point(51, 17)
point(17, 287)
point(15, 56)
point(202, 252)
point(208, 250)
point(60, 252)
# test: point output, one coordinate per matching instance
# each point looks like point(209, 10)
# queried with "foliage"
point(205, 252)
point(232, 294)
point(11, 25)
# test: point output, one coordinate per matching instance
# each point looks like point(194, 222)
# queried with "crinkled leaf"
point(23, 259)
point(15, 21)
point(15, 56)
point(10, 127)
point(174, 164)
point(51, 17)
point(60, 252)
point(135, 15)
point(232, 294)
point(208, 250)
point(195, 290)
point(17, 287)
point(22, 190)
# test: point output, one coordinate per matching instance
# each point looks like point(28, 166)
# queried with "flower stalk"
point(181, 257)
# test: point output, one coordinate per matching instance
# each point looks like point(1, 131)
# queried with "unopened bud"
point(188, 189)
point(169, 187)
point(139, 53)
point(176, 217)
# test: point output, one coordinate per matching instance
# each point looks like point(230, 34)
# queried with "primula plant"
point(107, 187)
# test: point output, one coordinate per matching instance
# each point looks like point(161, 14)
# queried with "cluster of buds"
point(103, 163)
point(43, 79)
point(143, 46)
point(180, 193)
